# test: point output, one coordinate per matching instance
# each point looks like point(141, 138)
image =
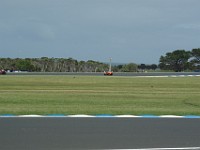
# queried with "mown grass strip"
point(41, 95)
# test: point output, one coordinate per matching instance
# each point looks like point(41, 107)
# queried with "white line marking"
point(127, 116)
point(30, 116)
point(81, 115)
point(171, 116)
point(89, 116)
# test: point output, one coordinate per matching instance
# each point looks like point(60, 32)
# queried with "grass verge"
point(99, 95)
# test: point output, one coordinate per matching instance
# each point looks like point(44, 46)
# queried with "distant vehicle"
point(2, 72)
point(110, 72)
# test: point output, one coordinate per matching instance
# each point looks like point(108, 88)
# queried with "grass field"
point(99, 95)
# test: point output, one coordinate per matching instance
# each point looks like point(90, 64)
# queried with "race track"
point(61, 133)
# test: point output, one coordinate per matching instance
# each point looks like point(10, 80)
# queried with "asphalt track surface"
point(61, 133)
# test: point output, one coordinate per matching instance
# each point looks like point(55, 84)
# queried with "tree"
point(176, 60)
point(117, 68)
point(24, 65)
point(142, 66)
point(153, 66)
point(196, 54)
point(195, 59)
point(131, 67)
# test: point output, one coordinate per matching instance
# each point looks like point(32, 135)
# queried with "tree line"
point(45, 64)
point(132, 67)
point(181, 60)
point(177, 60)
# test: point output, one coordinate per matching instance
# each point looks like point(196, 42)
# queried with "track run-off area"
point(49, 93)
point(103, 131)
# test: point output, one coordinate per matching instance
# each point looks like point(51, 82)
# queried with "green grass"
point(99, 95)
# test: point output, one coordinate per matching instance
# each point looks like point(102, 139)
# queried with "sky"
point(128, 31)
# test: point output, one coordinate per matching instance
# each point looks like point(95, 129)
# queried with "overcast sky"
point(138, 31)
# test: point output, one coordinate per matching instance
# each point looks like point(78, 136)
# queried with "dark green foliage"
point(196, 54)
point(131, 67)
point(180, 60)
point(24, 65)
point(46, 64)
point(147, 67)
